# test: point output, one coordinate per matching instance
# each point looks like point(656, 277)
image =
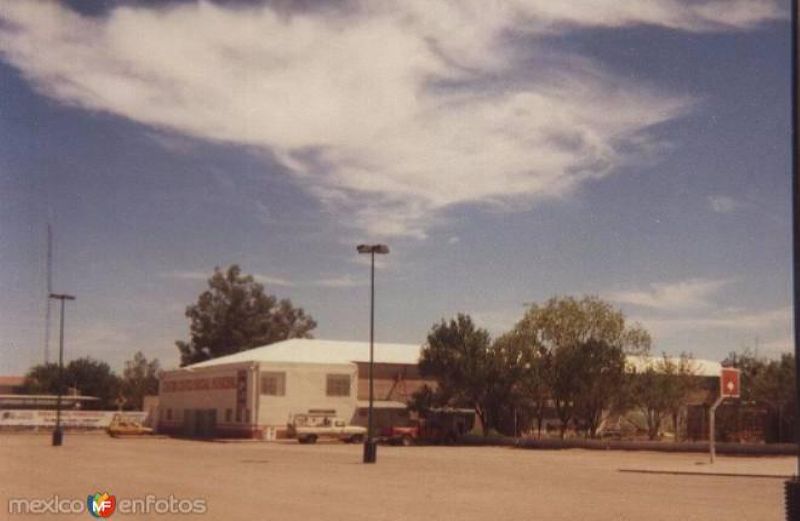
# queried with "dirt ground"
point(287, 481)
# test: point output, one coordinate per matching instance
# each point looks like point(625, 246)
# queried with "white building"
point(254, 393)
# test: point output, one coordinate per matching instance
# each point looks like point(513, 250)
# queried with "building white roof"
point(307, 350)
point(699, 366)
point(314, 351)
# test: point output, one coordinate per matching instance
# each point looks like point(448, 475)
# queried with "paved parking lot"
point(287, 481)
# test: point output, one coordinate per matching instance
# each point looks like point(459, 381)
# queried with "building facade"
point(255, 393)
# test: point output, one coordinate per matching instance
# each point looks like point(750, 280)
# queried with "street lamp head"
point(61, 297)
point(373, 248)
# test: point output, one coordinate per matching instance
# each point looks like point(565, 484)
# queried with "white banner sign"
point(71, 418)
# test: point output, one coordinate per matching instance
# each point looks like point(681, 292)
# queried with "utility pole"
point(58, 434)
point(792, 486)
point(49, 291)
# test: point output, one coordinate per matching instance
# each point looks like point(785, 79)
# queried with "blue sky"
point(506, 152)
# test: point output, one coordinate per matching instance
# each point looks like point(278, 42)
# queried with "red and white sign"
point(729, 382)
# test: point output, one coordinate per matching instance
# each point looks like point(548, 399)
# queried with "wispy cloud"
point(205, 275)
point(690, 315)
point(725, 319)
point(498, 321)
point(725, 330)
point(344, 281)
point(436, 89)
point(273, 281)
point(673, 296)
point(722, 203)
point(340, 281)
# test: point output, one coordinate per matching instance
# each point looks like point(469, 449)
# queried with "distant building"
point(254, 393)
point(11, 384)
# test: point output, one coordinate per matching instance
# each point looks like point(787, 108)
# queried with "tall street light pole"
point(370, 446)
point(58, 434)
point(792, 486)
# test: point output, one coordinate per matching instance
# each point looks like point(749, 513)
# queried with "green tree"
point(84, 376)
point(92, 377)
point(661, 390)
point(42, 379)
point(457, 356)
point(139, 379)
point(509, 403)
point(771, 382)
point(600, 383)
point(235, 314)
point(524, 367)
point(580, 345)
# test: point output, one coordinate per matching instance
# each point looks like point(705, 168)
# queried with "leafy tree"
point(426, 398)
point(535, 385)
point(662, 389)
point(563, 321)
point(235, 314)
point(580, 346)
point(85, 376)
point(509, 403)
point(139, 379)
point(771, 382)
point(600, 382)
point(42, 379)
point(457, 355)
point(93, 378)
point(524, 369)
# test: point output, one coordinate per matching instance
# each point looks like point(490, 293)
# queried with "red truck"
point(434, 426)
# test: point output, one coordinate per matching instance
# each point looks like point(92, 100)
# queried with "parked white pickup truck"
point(308, 428)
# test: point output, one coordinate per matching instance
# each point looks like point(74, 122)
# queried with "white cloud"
point(387, 112)
point(675, 296)
point(739, 320)
point(722, 203)
point(344, 281)
point(713, 15)
point(724, 331)
point(498, 321)
point(205, 275)
point(273, 281)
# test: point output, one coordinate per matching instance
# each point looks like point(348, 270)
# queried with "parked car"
point(308, 428)
point(122, 426)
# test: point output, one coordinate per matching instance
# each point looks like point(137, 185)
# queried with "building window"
point(169, 414)
point(273, 384)
point(228, 415)
point(238, 415)
point(338, 385)
point(247, 415)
